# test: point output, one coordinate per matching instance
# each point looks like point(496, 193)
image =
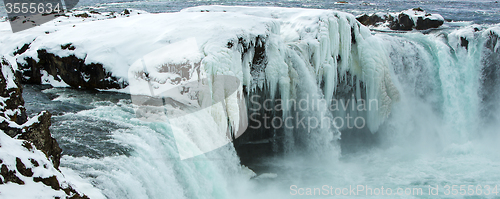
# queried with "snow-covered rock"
point(247, 42)
point(277, 53)
point(29, 156)
point(406, 20)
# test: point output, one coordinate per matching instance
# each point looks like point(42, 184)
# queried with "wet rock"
point(402, 22)
point(464, 43)
point(428, 23)
point(371, 20)
point(405, 20)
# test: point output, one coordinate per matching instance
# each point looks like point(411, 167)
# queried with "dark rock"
point(14, 99)
point(14, 102)
point(464, 43)
point(72, 70)
point(353, 36)
point(22, 168)
point(424, 24)
point(126, 12)
point(50, 181)
point(370, 20)
point(39, 135)
point(83, 15)
point(9, 175)
point(68, 47)
point(22, 50)
point(418, 9)
point(27, 145)
point(403, 22)
point(34, 162)
point(36, 134)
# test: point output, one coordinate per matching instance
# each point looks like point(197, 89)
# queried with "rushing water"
point(435, 136)
point(443, 131)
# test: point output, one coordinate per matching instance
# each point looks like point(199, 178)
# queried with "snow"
point(49, 79)
point(415, 14)
point(8, 74)
point(10, 150)
point(155, 53)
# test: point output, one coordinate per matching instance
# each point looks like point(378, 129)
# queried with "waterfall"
point(410, 95)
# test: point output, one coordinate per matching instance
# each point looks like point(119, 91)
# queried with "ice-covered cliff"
point(278, 54)
point(257, 45)
point(430, 85)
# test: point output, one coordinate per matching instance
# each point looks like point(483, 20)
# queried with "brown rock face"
point(39, 134)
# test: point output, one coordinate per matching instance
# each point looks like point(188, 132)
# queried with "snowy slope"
point(29, 156)
point(37, 175)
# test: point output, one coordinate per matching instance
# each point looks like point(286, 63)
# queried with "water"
point(443, 131)
point(125, 157)
point(480, 11)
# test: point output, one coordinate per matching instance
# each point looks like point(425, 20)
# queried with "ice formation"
point(260, 46)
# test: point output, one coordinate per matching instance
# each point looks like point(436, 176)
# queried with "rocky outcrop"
point(406, 20)
point(38, 133)
point(374, 19)
point(71, 69)
point(26, 143)
point(15, 122)
point(11, 107)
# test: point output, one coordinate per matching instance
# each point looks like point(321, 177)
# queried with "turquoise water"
point(442, 132)
point(480, 11)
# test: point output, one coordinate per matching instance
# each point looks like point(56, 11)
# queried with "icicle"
point(345, 45)
point(276, 68)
